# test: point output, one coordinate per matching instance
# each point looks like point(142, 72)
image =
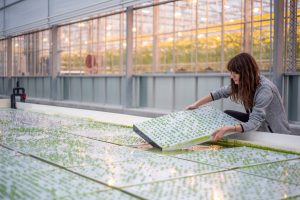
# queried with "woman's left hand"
point(219, 133)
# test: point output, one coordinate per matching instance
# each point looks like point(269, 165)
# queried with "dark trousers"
point(244, 117)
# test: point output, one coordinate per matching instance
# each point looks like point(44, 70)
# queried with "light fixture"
point(200, 36)
point(170, 39)
point(256, 10)
point(177, 14)
point(145, 11)
point(144, 43)
point(80, 25)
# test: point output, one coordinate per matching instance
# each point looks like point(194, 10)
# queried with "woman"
point(256, 93)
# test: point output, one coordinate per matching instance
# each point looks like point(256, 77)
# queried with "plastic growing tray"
point(143, 170)
point(183, 129)
point(236, 157)
point(285, 171)
point(223, 185)
point(109, 133)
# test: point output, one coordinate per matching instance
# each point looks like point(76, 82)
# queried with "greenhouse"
point(94, 97)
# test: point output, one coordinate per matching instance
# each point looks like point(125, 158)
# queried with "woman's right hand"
point(192, 106)
point(200, 102)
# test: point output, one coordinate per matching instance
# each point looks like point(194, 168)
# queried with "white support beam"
point(278, 67)
point(127, 80)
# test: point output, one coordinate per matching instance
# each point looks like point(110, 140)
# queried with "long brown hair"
point(244, 65)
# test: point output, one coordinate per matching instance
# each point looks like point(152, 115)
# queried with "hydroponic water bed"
point(57, 157)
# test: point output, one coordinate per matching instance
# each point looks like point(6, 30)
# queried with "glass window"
point(185, 53)
point(92, 47)
point(233, 12)
point(143, 22)
point(261, 34)
point(233, 41)
point(143, 40)
point(298, 38)
point(142, 56)
point(30, 54)
point(166, 52)
point(180, 36)
point(202, 13)
point(185, 15)
point(19, 56)
point(3, 57)
point(202, 51)
point(214, 49)
point(214, 15)
point(166, 18)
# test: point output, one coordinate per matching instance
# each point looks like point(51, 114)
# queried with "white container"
point(4, 103)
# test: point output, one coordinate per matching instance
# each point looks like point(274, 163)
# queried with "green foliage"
point(239, 143)
point(23, 129)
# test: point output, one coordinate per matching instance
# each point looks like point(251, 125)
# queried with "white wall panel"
point(8, 2)
point(47, 88)
point(1, 23)
point(72, 10)
point(2, 91)
point(75, 89)
point(163, 93)
point(230, 105)
point(26, 14)
point(87, 89)
point(7, 86)
point(147, 92)
point(31, 87)
point(30, 15)
point(39, 87)
point(99, 89)
point(185, 94)
point(206, 85)
point(113, 88)
point(58, 7)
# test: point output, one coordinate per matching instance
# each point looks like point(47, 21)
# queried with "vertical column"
point(9, 66)
point(278, 44)
point(4, 21)
point(196, 37)
point(291, 90)
point(291, 67)
point(9, 58)
point(53, 62)
point(122, 53)
point(127, 80)
point(174, 61)
point(206, 35)
point(247, 26)
point(222, 38)
point(155, 50)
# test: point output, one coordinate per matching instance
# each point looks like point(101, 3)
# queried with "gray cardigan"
point(268, 113)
